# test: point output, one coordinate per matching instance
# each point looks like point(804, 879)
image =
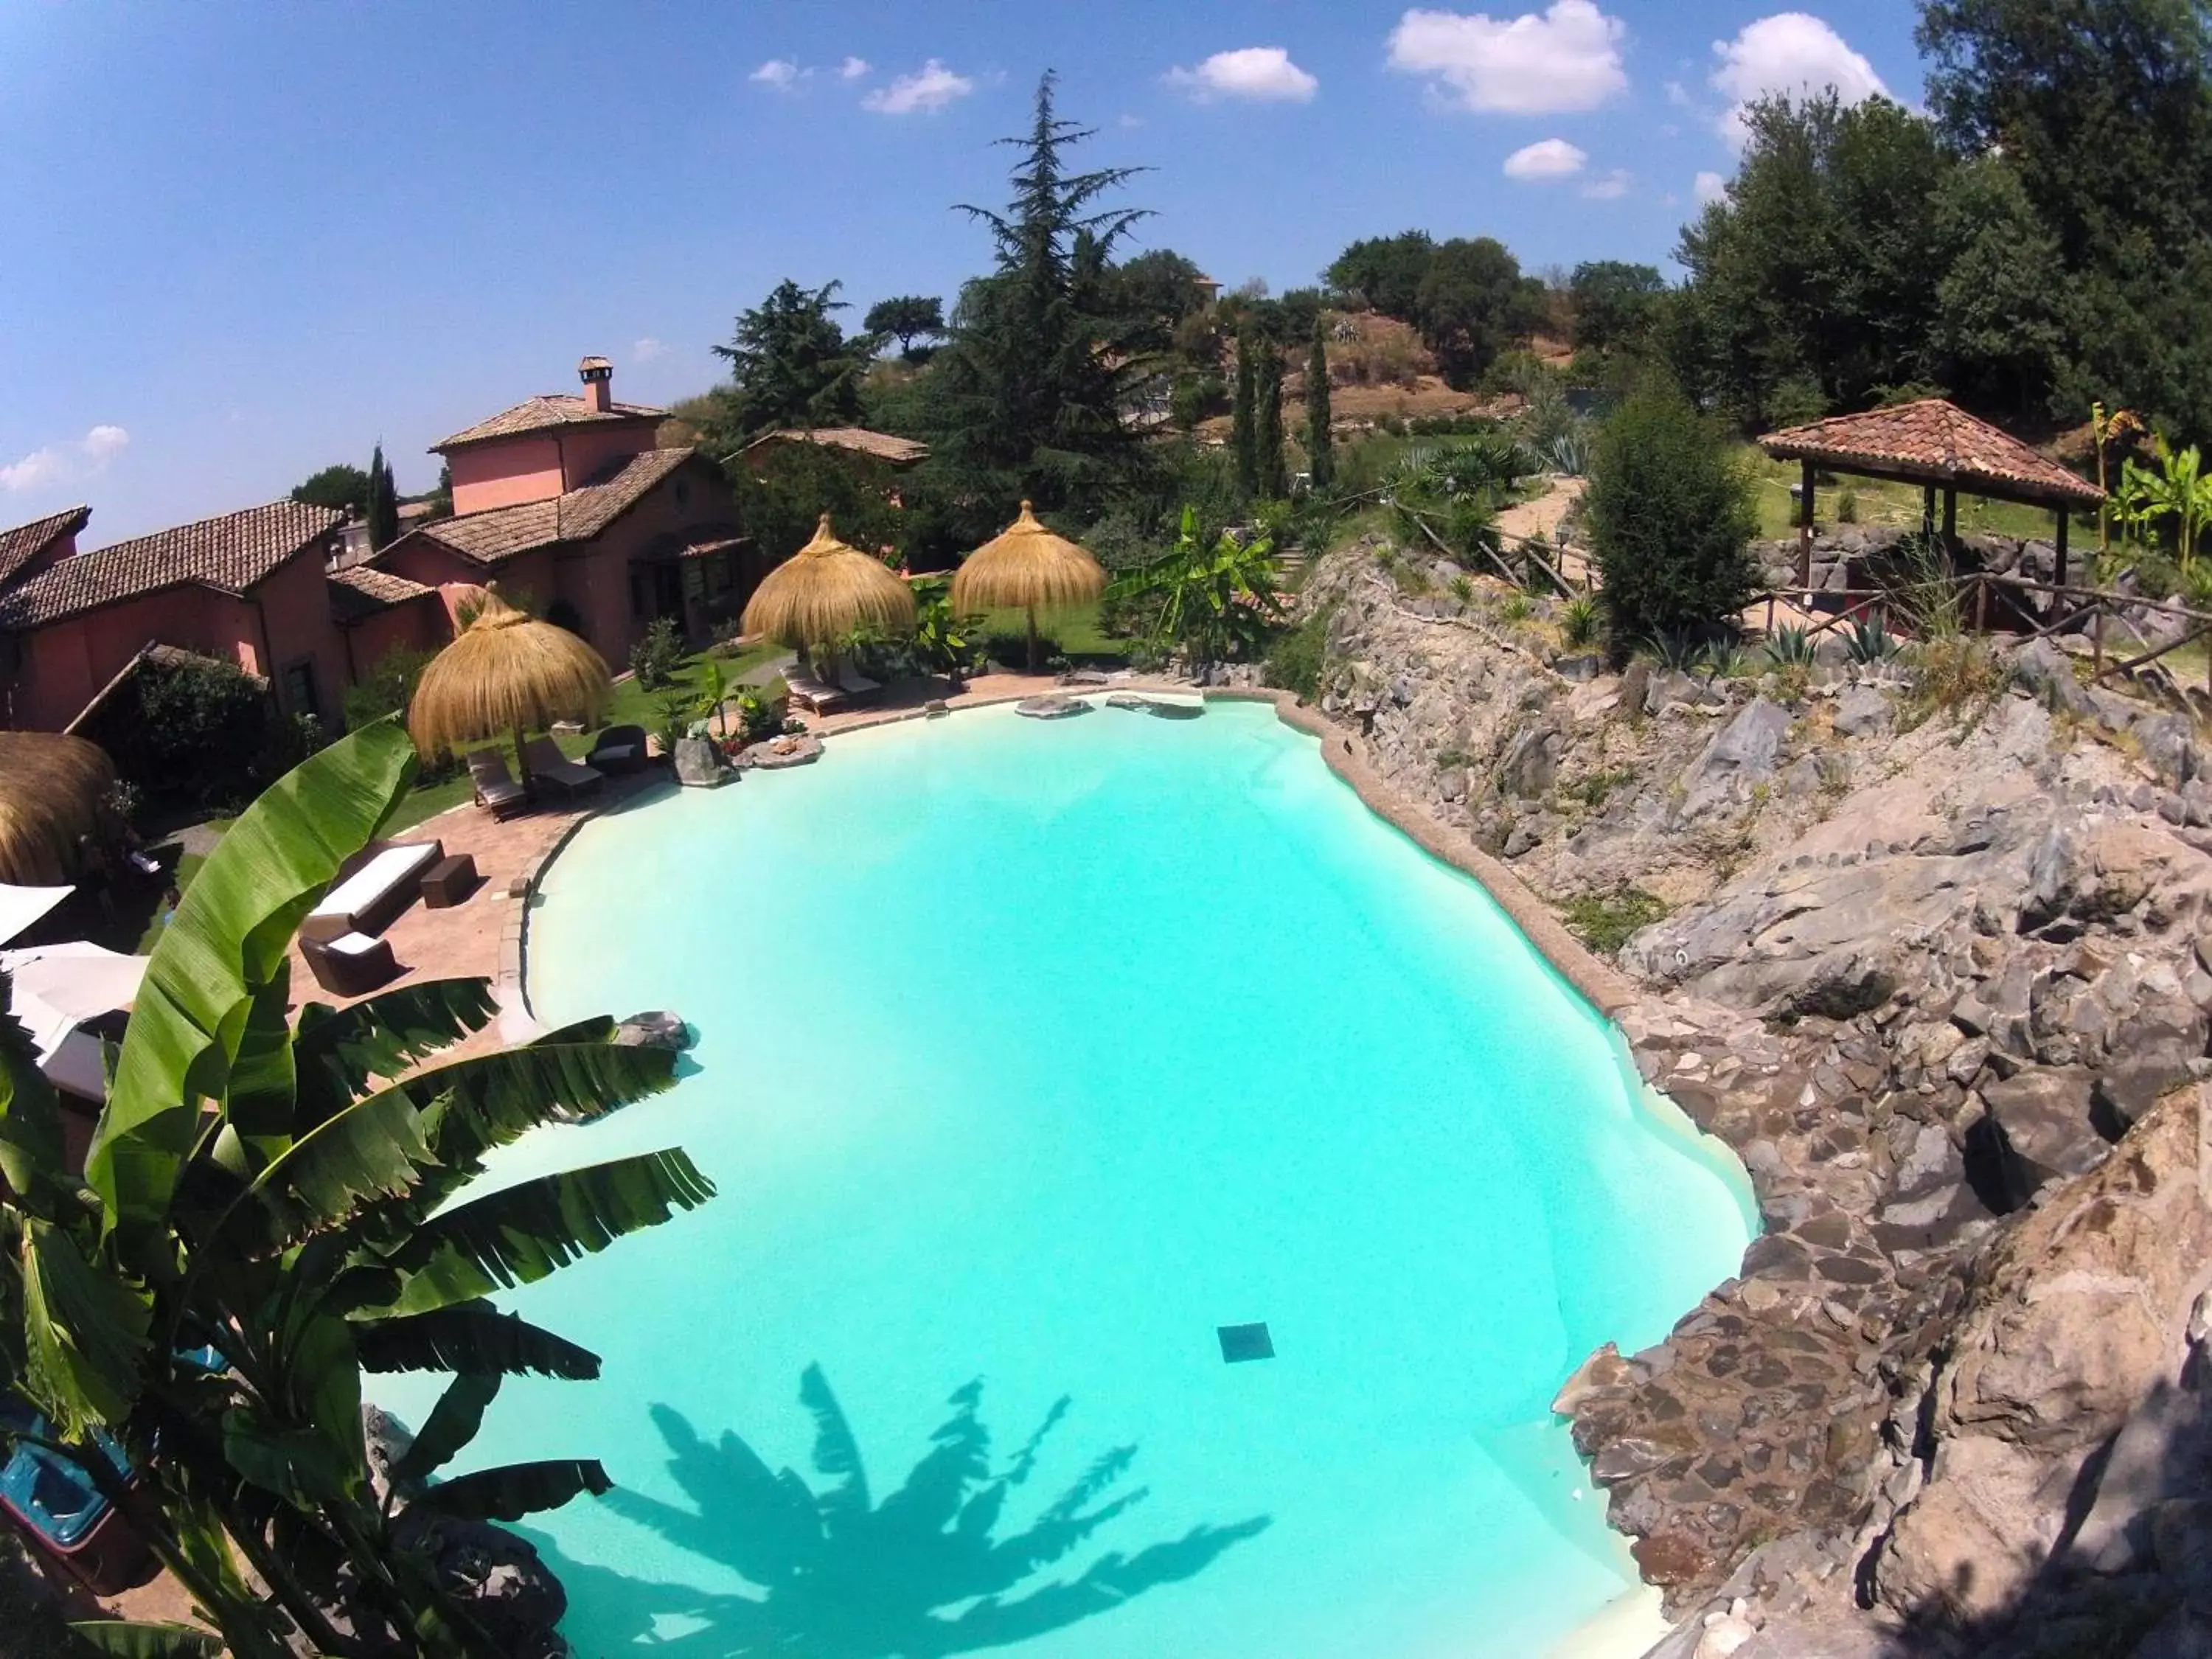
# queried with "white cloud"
point(1554, 158)
point(1678, 94)
point(645, 349)
point(65, 463)
point(1609, 188)
point(1792, 52)
point(853, 69)
point(1538, 64)
point(1263, 74)
point(778, 72)
point(928, 89)
point(1711, 188)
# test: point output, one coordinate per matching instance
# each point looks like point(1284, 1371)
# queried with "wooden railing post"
point(1981, 604)
point(2097, 643)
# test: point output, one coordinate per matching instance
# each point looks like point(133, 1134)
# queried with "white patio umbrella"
point(59, 987)
point(21, 906)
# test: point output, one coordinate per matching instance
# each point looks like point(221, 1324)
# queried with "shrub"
point(387, 688)
point(200, 731)
point(1297, 656)
point(656, 658)
point(1606, 921)
point(1847, 507)
point(1671, 516)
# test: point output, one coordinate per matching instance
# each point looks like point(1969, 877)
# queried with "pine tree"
point(1321, 445)
point(1271, 478)
point(1027, 396)
point(383, 502)
point(1243, 435)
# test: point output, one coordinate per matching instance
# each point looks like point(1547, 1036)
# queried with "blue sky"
point(246, 240)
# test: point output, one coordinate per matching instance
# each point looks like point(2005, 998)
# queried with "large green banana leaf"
point(521, 1233)
point(336, 1051)
point(451, 1423)
point(470, 1336)
point(121, 1640)
point(208, 993)
point(510, 1492)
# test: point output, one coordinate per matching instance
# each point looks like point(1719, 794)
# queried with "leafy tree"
point(1613, 303)
point(1320, 442)
point(1026, 399)
point(1156, 290)
point(383, 510)
point(2006, 319)
point(2102, 110)
point(791, 364)
point(1671, 519)
point(1471, 305)
point(1821, 265)
point(388, 686)
point(1383, 273)
point(783, 490)
point(910, 317)
point(190, 730)
point(343, 487)
point(264, 1216)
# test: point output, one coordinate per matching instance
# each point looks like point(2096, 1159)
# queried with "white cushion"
point(375, 878)
point(352, 945)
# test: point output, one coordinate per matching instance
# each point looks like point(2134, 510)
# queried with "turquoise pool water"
point(1030, 1055)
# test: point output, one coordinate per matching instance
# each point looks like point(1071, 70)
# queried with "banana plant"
point(2106, 429)
point(2180, 490)
point(1214, 603)
point(271, 1208)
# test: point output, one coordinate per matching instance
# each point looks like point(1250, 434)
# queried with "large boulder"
point(2038, 1127)
point(1740, 758)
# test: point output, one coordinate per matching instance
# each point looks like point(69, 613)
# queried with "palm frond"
point(451, 1423)
point(336, 1052)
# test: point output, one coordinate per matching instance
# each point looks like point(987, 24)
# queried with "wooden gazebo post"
point(1805, 533)
point(2063, 516)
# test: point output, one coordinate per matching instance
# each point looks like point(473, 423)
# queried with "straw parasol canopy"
point(53, 807)
point(1027, 568)
point(505, 673)
point(823, 591)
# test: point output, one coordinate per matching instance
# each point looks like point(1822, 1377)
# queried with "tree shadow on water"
point(921, 1574)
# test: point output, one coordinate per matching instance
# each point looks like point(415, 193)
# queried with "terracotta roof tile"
point(362, 590)
point(19, 546)
point(1938, 442)
point(232, 553)
point(502, 532)
point(899, 452)
point(544, 413)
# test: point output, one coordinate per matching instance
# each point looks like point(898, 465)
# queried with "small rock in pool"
point(1051, 707)
point(654, 1029)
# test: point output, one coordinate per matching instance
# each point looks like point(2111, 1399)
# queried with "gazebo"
point(1939, 447)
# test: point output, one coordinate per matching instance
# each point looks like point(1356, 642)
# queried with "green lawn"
point(1879, 503)
point(1075, 630)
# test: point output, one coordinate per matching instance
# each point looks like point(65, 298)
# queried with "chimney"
point(598, 375)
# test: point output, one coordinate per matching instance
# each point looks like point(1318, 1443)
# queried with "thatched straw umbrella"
point(1028, 568)
point(54, 806)
point(506, 673)
point(823, 591)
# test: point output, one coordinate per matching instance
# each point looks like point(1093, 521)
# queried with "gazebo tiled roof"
point(1933, 442)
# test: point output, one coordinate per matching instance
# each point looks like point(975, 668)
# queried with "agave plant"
point(1870, 641)
point(286, 1196)
point(1679, 652)
point(1578, 620)
point(1790, 647)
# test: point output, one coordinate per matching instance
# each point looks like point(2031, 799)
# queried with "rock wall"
point(1931, 958)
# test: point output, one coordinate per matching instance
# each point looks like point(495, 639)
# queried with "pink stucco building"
point(566, 504)
point(564, 501)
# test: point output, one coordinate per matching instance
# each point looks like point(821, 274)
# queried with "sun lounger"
point(556, 771)
point(618, 749)
point(496, 789)
point(350, 965)
point(818, 695)
point(855, 684)
point(372, 887)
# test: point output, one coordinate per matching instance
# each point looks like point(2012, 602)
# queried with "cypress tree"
point(1271, 478)
point(1321, 445)
point(1243, 437)
point(383, 502)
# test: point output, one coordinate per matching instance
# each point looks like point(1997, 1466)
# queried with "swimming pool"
point(1038, 1064)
